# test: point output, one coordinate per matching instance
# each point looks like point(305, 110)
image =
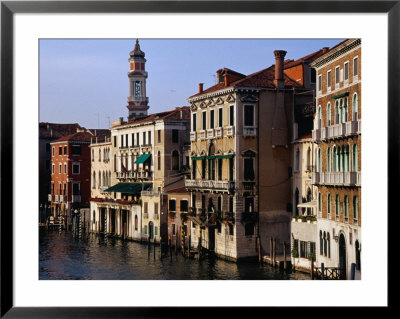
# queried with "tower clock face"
point(138, 89)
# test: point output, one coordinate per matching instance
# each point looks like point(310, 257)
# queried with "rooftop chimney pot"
point(279, 59)
point(201, 87)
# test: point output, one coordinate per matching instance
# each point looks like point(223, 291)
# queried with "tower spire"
point(137, 75)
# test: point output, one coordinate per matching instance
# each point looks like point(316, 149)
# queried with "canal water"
point(63, 257)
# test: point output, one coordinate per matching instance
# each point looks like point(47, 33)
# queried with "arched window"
point(319, 161)
point(159, 160)
point(337, 203)
point(346, 206)
point(104, 179)
point(329, 245)
point(358, 255)
point(346, 158)
point(328, 114)
point(94, 180)
point(325, 244)
point(334, 159)
point(92, 155)
point(336, 112)
point(309, 197)
point(329, 204)
point(99, 155)
point(355, 107)
point(309, 159)
point(328, 159)
point(296, 202)
point(319, 118)
point(136, 222)
point(321, 243)
point(99, 179)
point(355, 207)
point(109, 178)
point(346, 109)
point(319, 202)
point(355, 158)
point(115, 162)
point(175, 160)
point(339, 156)
point(211, 162)
point(297, 160)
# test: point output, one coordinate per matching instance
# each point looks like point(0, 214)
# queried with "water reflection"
point(62, 257)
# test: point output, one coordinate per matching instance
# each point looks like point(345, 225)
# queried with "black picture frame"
point(9, 8)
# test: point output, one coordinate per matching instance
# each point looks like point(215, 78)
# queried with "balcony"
point(150, 193)
point(156, 216)
point(249, 131)
point(192, 136)
point(249, 186)
point(203, 135)
point(230, 131)
point(103, 188)
point(209, 184)
point(62, 198)
point(219, 133)
point(145, 215)
point(49, 197)
point(76, 199)
point(337, 178)
point(337, 131)
point(210, 133)
point(56, 199)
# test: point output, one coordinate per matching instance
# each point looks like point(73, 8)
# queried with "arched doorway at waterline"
point(151, 230)
point(342, 256)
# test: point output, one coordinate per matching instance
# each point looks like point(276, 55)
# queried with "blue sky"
point(85, 80)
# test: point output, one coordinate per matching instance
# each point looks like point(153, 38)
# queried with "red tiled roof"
point(178, 190)
point(76, 137)
point(305, 136)
point(173, 114)
point(56, 130)
point(308, 58)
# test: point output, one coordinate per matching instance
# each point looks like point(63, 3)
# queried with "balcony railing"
point(62, 198)
point(203, 135)
point(76, 198)
point(155, 216)
point(230, 131)
point(150, 193)
point(219, 132)
point(210, 184)
point(337, 130)
point(337, 178)
point(56, 198)
point(249, 185)
point(49, 197)
point(146, 215)
point(249, 131)
point(210, 133)
point(192, 136)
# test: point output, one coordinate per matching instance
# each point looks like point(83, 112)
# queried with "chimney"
point(279, 58)
point(201, 87)
point(325, 49)
point(226, 79)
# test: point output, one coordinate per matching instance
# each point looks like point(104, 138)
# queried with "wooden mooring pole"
point(274, 252)
point(322, 271)
point(259, 249)
point(284, 256)
point(312, 268)
point(270, 250)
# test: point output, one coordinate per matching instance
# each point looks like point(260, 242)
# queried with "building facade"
point(337, 131)
point(241, 157)
point(70, 175)
point(148, 156)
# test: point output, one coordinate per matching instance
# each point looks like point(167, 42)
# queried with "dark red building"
point(70, 174)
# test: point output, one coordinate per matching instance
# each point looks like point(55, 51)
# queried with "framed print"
point(214, 143)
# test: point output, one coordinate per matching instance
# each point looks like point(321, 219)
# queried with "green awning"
point(128, 188)
point(198, 158)
point(223, 156)
point(340, 95)
point(210, 157)
point(142, 158)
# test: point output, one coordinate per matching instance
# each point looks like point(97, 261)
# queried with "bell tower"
point(137, 75)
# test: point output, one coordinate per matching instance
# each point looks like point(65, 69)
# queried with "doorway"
point(342, 256)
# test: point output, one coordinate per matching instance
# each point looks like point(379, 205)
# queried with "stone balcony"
point(209, 184)
point(76, 199)
point(219, 132)
point(203, 135)
point(337, 178)
point(210, 133)
point(337, 131)
point(249, 131)
point(193, 136)
point(230, 131)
